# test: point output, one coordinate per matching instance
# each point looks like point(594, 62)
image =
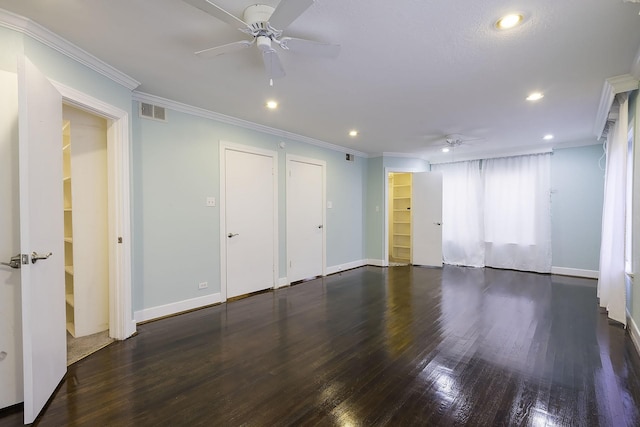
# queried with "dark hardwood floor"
point(371, 346)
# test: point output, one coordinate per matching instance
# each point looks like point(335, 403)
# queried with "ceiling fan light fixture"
point(535, 96)
point(509, 21)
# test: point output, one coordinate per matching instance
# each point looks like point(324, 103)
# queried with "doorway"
point(86, 249)
point(400, 218)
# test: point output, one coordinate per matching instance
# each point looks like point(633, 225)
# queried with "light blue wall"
point(577, 183)
point(177, 238)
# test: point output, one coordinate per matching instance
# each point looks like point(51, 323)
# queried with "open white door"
point(427, 219)
point(41, 233)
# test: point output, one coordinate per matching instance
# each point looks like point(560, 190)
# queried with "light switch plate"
point(211, 202)
point(329, 205)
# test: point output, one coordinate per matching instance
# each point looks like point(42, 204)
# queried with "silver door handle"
point(320, 226)
point(14, 262)
point(36, 256)
point(230, 235)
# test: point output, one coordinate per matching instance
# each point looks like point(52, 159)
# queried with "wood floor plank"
point(369, 347)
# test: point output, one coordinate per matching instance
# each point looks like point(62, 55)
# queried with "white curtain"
point(497, 212)
point(462, 213)
point(611, 282)
point(517, 212)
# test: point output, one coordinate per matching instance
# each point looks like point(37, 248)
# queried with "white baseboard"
point(176, 307)
point(576, 272)
point(348, 266)
point(633, 331)
point(282, 281)
point(377, 262)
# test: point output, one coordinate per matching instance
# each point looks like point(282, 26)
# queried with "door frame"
point(121, 322)
point(387, 171)
point(224, 146)
point(323, 166)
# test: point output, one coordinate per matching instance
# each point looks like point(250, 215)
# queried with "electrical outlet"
point(203, 285)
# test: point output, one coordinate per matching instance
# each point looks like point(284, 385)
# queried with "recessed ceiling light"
point(272, 105)
point(547, 137)
point(509, 21)
point(535, 96)
point(353, 132)
point(445, 150)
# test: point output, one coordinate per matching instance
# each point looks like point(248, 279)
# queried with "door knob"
point(14, 262)
point(437, 223)
point(320, 226)
point(36, 256)
point(230, 235)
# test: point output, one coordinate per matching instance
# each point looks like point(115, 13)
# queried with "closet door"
point(41, 237)
point(427, 219)
point(249, 232)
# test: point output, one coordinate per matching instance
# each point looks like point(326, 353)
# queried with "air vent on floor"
point(154, 112)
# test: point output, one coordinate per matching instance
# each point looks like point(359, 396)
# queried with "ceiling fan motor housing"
point(257, 13)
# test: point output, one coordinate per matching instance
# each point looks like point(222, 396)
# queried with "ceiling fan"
point(455, 140)
point(266, 25)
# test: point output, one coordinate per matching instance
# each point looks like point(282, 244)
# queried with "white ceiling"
point(409, 71)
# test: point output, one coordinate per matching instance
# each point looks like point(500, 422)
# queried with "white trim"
point(175, 307)
point(224, 145)
point(612, 86)
point(207, 114)
point(576, 272)
point(39, 33)
point(376, 262)
point(634, 332)
point(282, 282)
point(343, 267)
point(635, 68)
point(323, 165)
point(118, 150)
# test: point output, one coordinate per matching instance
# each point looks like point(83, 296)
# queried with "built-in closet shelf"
point(69, 299)
point(402, 210)
point(68, 239)
point(401, 234)
point(402, 198)
point(402, 246)
point(69, 270)
point(66, 147)
point(67, 209)
point(401, 222)
point(66, 178)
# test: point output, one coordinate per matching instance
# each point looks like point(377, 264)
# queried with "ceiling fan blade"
point(287, 11)
point(309, 47)
point(225, 48)
point(218, 12)
point(272, 64)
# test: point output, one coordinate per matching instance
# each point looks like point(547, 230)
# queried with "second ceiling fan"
point(266, 25)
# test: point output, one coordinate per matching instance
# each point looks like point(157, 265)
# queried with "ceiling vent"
point(154, 112)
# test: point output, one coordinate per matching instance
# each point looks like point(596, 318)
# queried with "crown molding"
point(612, 86)
point(207, 114)
point(39, 33)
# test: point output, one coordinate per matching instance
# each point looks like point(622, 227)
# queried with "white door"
point(41, 232)
point(305, 219)
point(427, 219)
point(249, 221)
